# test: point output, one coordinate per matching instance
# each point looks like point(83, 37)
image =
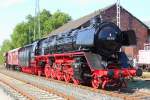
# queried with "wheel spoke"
point(67, 77)
point(95, 82)
point(47, 72)
point(53, 74)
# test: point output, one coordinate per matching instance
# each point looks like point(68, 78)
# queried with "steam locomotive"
point(91, 55)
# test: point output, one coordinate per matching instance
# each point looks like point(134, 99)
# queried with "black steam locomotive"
point(101, 38)
point(89, 55)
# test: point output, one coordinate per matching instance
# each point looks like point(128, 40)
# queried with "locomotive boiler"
point(90, 55)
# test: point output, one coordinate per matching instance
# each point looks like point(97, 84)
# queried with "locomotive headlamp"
point(110, 73)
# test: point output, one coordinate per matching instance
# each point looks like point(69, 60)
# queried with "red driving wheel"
point(95, 82)
point(53, 74)
point(47, 72)
point(58, 75)
point(104, 84)
point(67, 77)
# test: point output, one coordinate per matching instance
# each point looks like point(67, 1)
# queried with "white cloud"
point(8, 3)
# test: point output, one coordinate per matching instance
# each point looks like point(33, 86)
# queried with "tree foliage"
point(23, 33)
point(7, 45)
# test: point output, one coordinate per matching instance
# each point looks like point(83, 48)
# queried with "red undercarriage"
point(62, 70)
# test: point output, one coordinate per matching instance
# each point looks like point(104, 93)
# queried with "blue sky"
point(15, 11)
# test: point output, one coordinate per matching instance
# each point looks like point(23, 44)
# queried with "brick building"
point(128, 21)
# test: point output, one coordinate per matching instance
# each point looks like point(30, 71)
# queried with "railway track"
point(24, 90)
point(84, 92)
point(11, 92)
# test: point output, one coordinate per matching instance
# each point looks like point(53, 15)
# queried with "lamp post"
point(37, 26)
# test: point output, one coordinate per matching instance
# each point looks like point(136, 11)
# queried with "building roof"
point(147, 23)
point(79, 22)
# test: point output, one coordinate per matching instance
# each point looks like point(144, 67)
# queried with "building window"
point(148, 37)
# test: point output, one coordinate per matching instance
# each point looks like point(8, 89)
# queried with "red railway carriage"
point(12, 57)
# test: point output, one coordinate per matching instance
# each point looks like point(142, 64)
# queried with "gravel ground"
point(78, 93)
point(5, 92)
point(4, 95)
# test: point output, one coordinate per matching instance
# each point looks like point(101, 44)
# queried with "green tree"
point(20, 35)
point(4, 48)
point(24, 32)
point(55, 21)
